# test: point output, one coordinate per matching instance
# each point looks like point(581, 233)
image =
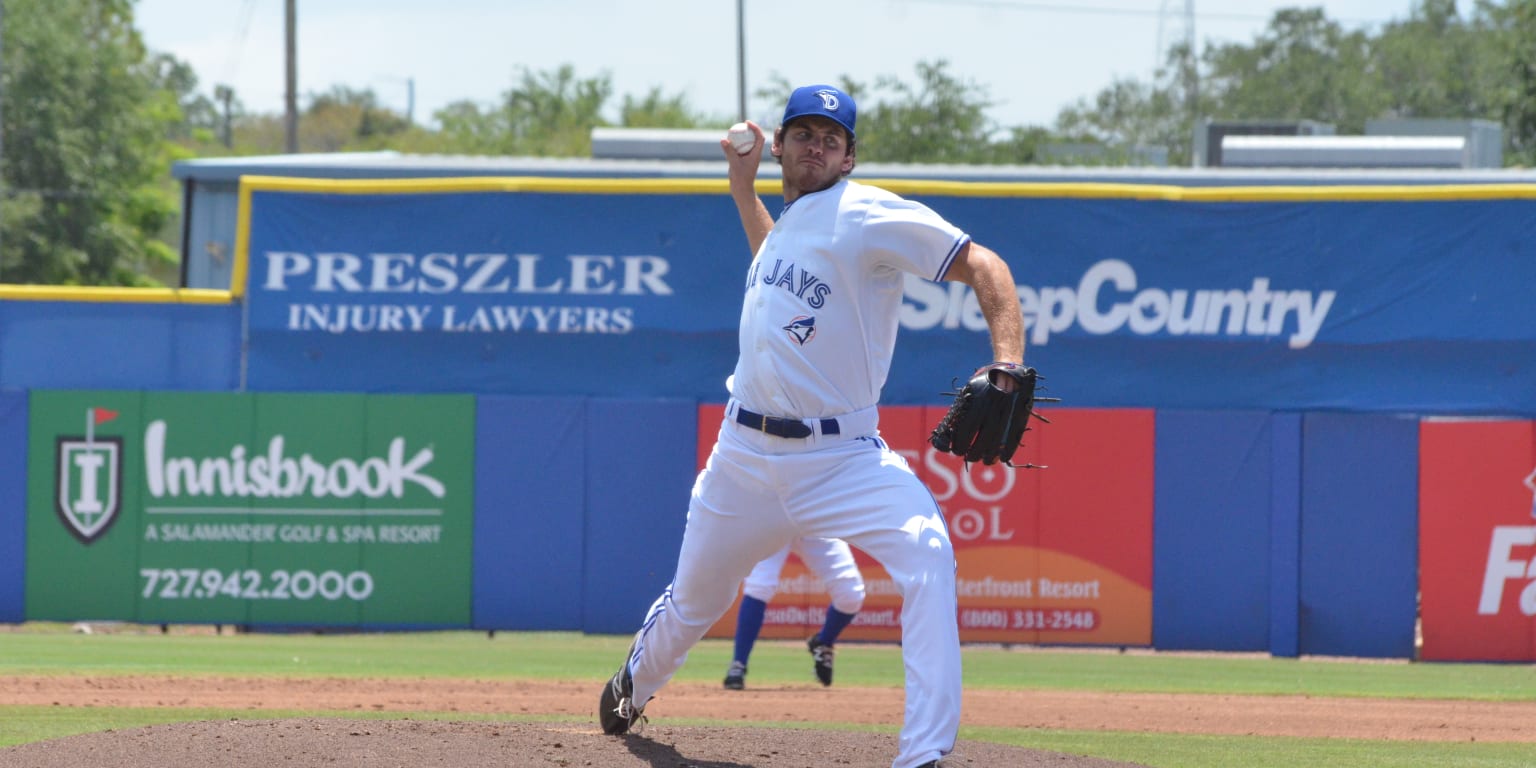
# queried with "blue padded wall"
point(86, 345)
point(13, 506)
point(1359, 535)
point(529, 492)
point(1211, 531)
point(1285, 534)
point(641, 462)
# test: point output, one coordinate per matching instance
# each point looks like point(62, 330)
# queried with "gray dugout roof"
point(387, 165)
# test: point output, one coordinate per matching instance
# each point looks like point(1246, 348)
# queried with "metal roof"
point(389, 164)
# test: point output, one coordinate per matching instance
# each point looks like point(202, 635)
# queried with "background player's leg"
point(832, 562)
point(749, 622)
point(756, 592)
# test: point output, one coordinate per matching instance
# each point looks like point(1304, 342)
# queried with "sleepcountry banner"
point(1155, 296)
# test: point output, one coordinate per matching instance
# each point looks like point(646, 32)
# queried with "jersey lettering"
point(796, 281)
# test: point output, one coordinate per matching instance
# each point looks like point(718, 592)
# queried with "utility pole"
point(2, 124)
point(741, 60)
point(1192, 86)
point(224, 94)
point(290, 97)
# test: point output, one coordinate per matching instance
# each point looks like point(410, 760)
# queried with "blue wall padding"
point(641, 463)
point(1285, 535)
point(86, 345)
point(529, 469)
point(13, 506)
point(1359, 535)
point(1211, 528)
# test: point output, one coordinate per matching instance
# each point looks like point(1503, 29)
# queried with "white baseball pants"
point(756, 493)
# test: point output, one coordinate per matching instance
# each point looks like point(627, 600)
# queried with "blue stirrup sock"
point(749, 622)
point(836, 622)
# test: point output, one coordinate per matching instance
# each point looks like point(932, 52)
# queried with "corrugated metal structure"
point(211, 186)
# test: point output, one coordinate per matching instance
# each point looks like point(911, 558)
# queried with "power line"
point(237, 47)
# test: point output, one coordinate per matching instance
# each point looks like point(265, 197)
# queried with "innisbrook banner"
point(1133, 296)
point(329, 509)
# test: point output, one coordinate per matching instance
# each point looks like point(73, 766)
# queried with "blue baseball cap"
point(822, 101)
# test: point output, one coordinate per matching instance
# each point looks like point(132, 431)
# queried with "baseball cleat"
point(821, 653)
point(736, 676)
point(616, 709)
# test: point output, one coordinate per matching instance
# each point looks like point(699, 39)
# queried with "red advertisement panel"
point(1477, 540)
point(1061, 555)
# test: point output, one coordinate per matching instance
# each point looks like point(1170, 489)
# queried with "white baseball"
point(741, 138)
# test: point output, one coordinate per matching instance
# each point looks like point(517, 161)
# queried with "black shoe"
point(736, 676)
point(932, 764)
point(616, 708)
point(822, 654)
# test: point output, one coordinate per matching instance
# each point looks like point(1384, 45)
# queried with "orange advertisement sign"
point(1477, 540)
point(1061, 555)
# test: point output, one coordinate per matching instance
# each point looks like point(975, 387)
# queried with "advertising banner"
point(1158, 297)
point(284, 509)
point(1477, 540)
point(1061, 555)
point(496, 286)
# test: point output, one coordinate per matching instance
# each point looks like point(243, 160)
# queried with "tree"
point(1129, 114)
point(1512, 30)
point(85, 145)
point(548, 114)
point(1436, 65)
point(657, 110)
point(344, 118)
point(1303, 66)
point(941, 119)
point(199, 115)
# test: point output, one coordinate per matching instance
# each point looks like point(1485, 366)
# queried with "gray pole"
point(2, 121)
point(741, 61)
point(1192, 90)
point(290, 99)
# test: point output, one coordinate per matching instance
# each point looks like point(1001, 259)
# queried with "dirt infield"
point(260, 741)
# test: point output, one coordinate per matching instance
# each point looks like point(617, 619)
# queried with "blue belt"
point(778, 427)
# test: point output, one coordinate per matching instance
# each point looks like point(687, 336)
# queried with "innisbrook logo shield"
point(88, 495)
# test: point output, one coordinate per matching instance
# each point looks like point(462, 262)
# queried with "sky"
point(1032, 59)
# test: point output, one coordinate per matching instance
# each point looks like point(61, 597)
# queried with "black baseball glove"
point(987, 422)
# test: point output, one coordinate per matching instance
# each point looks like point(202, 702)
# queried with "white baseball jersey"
point(818, 329)
point(819, 321)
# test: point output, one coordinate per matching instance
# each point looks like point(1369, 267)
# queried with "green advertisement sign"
point(292, 509)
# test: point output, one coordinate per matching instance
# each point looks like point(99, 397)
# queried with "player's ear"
point(777, 149)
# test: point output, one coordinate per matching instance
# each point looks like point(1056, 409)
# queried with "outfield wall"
point(1248, 482)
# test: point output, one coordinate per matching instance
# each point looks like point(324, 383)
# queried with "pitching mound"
point(327, 742)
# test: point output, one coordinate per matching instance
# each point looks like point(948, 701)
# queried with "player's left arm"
point(989, 276)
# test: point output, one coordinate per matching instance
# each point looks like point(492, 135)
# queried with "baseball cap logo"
point(821, 100)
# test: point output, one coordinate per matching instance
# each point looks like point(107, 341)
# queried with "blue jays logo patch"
point(802, 329)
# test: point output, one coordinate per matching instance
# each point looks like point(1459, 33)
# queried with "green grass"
point(572, 656)
point(51, 649)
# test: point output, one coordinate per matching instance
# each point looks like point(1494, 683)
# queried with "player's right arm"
point(755, 220)
point(996, 295)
